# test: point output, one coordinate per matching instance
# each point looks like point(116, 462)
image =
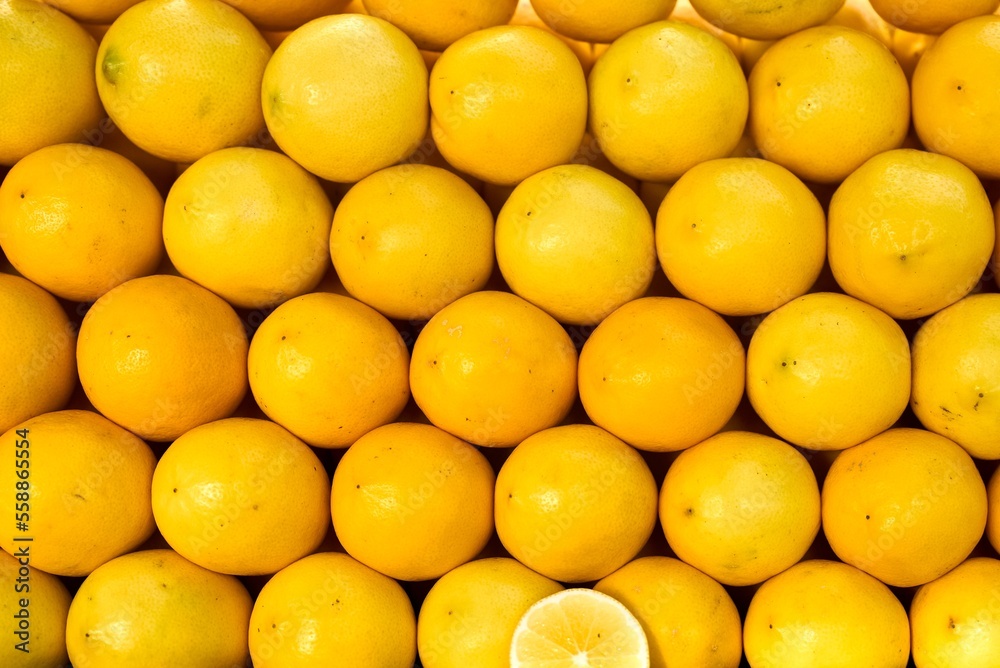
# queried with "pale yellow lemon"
point(182, 78)
point(826, 371)
point(345, 96)
point(906, 506)
point(741, 236)
point(435, 24)
point(329, 369)
point(507, 102)
point(286, 14)
point(328, 609)
point(662, 373)
point(575, 242)
point(409, 240)
point(826, 99)
point(600, 20)
point(956, 362)
point(574, 503)
point(493, 369)
point(156, 609)
point(48, 95)
point(35, 607)
point(925, 16)
point(825, 614)
point(250, 225)
point(764, 19)
point(665, 97)
point(37, 342)
point(469, 616)
point(688, 618)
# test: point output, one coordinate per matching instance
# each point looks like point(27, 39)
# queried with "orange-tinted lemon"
point(762, 19)
point(434, 24)
point(286, 14)
point(931, 17)
point(600, 20)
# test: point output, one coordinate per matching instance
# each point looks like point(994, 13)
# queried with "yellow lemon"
point(412, 501)
point(955, 620)
point(79, 220)
point(250, 225)
point(764, 19)
point(507, 102)
point(956, 367)
point(286, 14)
point(956, 87)
point(574, 503)
point(434, 24)
point(688, 618)
point(158, 610)
point(160, 355)
point(662, 373)
point(328, 609)
point(525, 15)
point(665, 97)
point(329, 369)
point(411, 239)
point(827, 371)
point(182, 78)
point(48, 95)
point(740, 507)
point(37, 342)
point(910, 232)
point(826, 99)
point(241, 496)
point(93, 11)
point(909, 47)
point(345, 96)
point(931, 17)
point(601, 20)
point(35, 607)
point(493, 369)
point(85, 487)
point(579, 628)
point(469, 616)
point(575, 242)
point(825, 614)
point(741, 236)
point(906, 506)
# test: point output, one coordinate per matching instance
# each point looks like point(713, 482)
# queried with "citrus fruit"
point(182, 78)
point(906, 506)
point(493, 369)
point(910, 232)
point(579, 628)
point(507, 102)
point(48, 95)
point(469, 616)
point(662, 373)
point(956, 362)
point(434, 24)
point(157, 609)
point(36, 354)
point(286, 14)
point(160, 355)
point(824, 100)
point(93, 11)
point(35, 606)
point(825, 614)
point(954, 619)
point(412, 501)
point(931, 17)
point(328, 609)
point(763, 19)
point(601, 20)
point(575, 242)
point(688, 618)
point(740, 507)
point(954, 83)
point(665, 97)
point(741, 236)
point(574, 503)
point(241, 496)
point(826, 371)
point(79, 220)
point(329, 369)
point(87, 482)
point(411, 239)
point(525, 15)
point(250, 225)
point(345, 96)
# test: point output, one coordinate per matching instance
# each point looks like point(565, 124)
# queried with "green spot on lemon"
point(112, 66)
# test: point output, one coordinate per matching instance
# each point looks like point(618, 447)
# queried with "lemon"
point(931, 17)
point(765, 19)
point(600, 20)
point(286, 14)
point(100, 12)
point(434, 24)
point(46, 602)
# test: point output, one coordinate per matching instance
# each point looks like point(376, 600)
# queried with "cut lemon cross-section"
point(579, 628)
